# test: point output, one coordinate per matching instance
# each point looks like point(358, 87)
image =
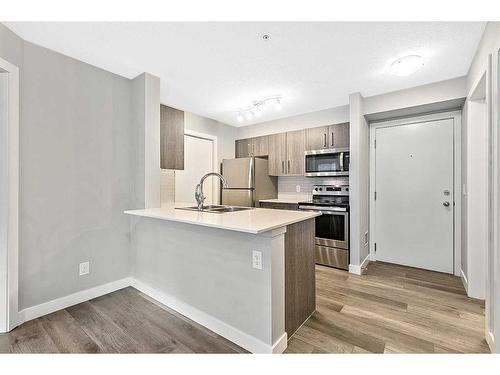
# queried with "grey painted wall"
point(11, 46)
point(78, 144)
point(221, 281)
point(76, 179)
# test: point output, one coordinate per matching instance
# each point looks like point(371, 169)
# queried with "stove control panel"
point(330, 190)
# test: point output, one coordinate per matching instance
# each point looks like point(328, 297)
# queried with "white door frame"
point(215, 159)
point(493, 270)
point(9, 189)
point(475, 278)
point(457, 176)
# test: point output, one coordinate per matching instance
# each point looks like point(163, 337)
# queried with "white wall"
point(419, 96)
point(489, 46)
point(477, 198)
point(490, 42)
point(359, 181)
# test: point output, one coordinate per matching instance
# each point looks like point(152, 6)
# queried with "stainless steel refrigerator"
point(248, 182)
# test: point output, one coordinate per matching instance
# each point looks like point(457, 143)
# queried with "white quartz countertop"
point(255, 221)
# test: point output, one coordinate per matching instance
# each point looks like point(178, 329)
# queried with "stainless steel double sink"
point(216, 209)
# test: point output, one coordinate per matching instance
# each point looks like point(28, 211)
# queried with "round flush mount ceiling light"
point(404, 66)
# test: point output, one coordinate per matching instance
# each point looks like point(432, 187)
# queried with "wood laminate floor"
point(391, 309)
point(125, 321)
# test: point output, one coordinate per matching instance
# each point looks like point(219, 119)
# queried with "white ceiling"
point(213, 69)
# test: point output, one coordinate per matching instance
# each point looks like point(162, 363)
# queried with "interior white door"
point(198, 160)
point(414, 195)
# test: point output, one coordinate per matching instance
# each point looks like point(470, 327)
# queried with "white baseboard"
point(490, 339)
point(358, 270)
point(464, 280)
point(281, 344)
point(45, 308)
point(231, 333)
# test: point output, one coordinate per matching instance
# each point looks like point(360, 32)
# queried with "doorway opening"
point(200, 157)
point(9, 192)
point(415, 174)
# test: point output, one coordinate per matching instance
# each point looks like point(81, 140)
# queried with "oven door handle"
point(341, 161)
point(330, 210)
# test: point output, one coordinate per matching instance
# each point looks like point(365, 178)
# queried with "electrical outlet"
point(257, 259)
point(84, 268)
point(297, 188)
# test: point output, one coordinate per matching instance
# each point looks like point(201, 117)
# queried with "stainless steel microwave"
point(327, 162)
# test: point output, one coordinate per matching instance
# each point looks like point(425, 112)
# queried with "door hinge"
point(375, 195)
point(375, 247)
point(375, 143)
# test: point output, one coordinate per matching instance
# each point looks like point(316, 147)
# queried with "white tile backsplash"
point(167, 186)
point(287, 185)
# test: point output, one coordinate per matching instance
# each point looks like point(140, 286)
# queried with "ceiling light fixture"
point(258, 107)
point(277, 104)
point(404, 66)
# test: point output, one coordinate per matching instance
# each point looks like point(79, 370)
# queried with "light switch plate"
point(257, 259)
point(84, 268)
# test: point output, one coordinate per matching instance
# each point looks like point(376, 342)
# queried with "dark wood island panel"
point(300, 279)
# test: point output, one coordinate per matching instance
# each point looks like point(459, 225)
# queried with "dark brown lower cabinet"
point(279, 206)
point(300, 277)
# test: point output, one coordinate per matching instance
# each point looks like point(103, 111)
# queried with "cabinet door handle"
point(288, 166)
point(325, 140)
point(282, 166)
point(332, 138)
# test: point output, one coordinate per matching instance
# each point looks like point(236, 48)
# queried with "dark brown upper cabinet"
point(257, 146)
point(171, 138)
point(323, 137)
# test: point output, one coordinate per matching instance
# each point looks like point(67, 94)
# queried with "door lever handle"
point(446, 203)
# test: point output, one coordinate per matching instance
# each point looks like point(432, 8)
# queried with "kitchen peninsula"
point(246, 275)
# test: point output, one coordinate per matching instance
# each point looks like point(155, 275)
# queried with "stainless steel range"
point(332, 227)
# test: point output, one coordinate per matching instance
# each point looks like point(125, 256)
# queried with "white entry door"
point(414, 195)
point(198, 160)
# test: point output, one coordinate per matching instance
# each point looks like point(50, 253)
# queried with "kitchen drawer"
point(332, 256)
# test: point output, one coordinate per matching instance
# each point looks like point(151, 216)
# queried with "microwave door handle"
point(341, 161)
